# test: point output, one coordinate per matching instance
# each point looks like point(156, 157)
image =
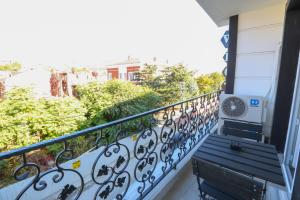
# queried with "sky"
point(100, 32)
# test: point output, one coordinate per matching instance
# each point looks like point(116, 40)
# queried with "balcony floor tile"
point(185, 187)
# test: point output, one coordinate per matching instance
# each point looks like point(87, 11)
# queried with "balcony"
point(119, 163)
point(153, 159)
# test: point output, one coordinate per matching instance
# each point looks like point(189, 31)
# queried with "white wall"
point(259, 35)
point(37, 79)
point(259, 39)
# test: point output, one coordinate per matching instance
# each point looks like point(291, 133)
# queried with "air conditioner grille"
point(233, 107)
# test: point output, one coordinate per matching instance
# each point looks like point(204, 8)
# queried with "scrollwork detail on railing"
point(121, 180)
point(183, 124)
point(167, 138)
point(193, 116)
point(110, 173)
point(39, 183)
point(147, 158)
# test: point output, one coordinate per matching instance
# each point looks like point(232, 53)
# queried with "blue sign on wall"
point(225, 39)
point(225, 57)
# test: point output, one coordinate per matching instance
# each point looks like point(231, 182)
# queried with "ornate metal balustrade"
point(126, 158)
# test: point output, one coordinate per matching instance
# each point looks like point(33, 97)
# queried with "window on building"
point(131, 76)
point(109, 76)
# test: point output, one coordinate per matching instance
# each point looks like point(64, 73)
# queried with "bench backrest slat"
point(237, 185)
point(243, 130)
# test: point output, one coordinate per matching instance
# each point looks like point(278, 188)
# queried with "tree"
point(16, 110)
point(210, 82)
point(79, 69)
point(218, 80)
point(25, 120)
point(176, 83)
point(13, 67)
point(115, 99)
point(147, 75)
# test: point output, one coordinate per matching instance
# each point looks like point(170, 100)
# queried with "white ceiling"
point(221, 10)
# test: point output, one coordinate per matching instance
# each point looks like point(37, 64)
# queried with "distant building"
point(98, 74)
point(82, 77)
point(37, 79)
point(124, 70)
point(53, 82)
point(127, 69)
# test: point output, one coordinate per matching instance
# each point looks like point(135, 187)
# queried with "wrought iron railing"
point(126, 158)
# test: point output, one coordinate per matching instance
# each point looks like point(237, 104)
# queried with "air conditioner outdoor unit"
point(241, 108)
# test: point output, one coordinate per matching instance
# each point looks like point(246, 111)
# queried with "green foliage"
point(115, 99)
point(16, 110)
point(210, 82)
point(60, 116)
point(94, 100)
point(128, 99)
point(26, 120)
point(176, 83)
point(13, 67)
point(79, 69)
point(147, 76)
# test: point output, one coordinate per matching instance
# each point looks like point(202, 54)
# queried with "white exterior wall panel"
point(250, 64)
point(259, 39)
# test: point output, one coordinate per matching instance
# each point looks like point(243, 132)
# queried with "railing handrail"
point(28, 148)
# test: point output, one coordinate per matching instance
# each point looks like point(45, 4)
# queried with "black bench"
point(222, 183)
point(243, 130)
point(210, 189)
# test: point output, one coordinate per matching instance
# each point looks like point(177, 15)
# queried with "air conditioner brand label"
point(254, 102)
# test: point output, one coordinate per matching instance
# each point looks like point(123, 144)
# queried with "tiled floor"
point(185, 188)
